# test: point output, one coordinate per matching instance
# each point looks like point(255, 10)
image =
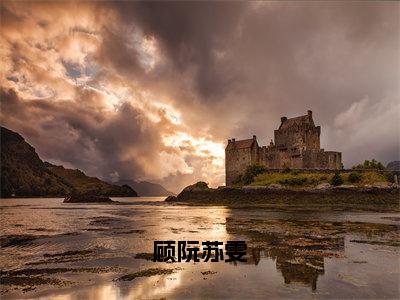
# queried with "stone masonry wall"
point(297, 146)
point(236, 161)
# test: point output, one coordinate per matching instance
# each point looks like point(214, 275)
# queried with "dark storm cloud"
point(228, 69)
point(191, 34)
point(289, 57)
point(81, 136)
point(277, 58)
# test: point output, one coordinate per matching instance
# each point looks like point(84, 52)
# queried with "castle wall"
point(297, 146)
point(312, 138)
point(334, 159)
point(300, 137)
point(236, 162)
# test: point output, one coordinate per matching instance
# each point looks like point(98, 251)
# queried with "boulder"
point(346, 186)
point(381, 185)
point(323, 186)
point(275, 186)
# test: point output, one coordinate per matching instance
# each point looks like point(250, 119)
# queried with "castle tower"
point(297, 146)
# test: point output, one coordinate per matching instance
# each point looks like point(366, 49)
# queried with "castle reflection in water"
point(299, 259)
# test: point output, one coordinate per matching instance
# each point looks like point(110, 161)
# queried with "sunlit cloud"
point(132, 90)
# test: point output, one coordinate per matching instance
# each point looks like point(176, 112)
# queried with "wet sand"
point(80, 251)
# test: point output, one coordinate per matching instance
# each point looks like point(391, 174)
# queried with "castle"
point(297, 146)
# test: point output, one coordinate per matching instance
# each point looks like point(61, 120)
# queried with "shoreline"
point(383, 199)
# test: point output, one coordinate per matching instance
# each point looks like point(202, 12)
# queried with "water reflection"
point(311, 252)
point(295, 268)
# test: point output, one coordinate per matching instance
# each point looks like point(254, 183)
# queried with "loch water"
point(291, 254)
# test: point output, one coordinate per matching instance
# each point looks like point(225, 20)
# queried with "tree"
point(354, 177)
point(336, 179)
point(251, 172)
point(373, 164)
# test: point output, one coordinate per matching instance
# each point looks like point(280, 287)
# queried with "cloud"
point(369, 129)
point(122, 142)
point(152, 90)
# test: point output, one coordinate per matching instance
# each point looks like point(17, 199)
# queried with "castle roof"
point(296, 121)
point(242, 144)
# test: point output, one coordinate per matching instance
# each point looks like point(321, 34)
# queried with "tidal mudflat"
point(81, 251)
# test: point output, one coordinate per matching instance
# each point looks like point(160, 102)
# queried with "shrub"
point(238, 180)
point(355, 177)
point(373, 164)
point(251, 172)
point(294, 181)
point(390, 176)
point(373, 177)
point(336, 179)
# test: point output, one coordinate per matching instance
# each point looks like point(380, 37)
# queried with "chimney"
point(283, 119)
point(229, 141)
point(309, 113)
point(254, 137)
point(233, 140)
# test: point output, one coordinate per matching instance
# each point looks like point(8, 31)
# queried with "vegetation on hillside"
point(367, 165)
point(251, 172)
point(84, 184)
point(259, 176)
point(24, 174)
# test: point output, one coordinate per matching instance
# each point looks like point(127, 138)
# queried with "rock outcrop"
point(322, 195)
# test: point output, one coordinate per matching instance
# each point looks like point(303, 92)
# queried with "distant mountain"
point(394, 165)
point(24, 174)
point(145, 188)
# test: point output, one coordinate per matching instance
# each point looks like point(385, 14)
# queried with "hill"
point(393, 166)
point(24, 174)
point(145, 188)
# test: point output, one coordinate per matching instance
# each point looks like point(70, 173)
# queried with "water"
point(290, 254)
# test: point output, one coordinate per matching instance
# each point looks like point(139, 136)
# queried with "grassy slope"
point(313, 179)
point(340, 199)
point(24, 174)
point(86, 184)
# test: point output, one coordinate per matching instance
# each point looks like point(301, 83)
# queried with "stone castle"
point(297, 146)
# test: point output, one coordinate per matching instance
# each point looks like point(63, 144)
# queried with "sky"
point(153, 91)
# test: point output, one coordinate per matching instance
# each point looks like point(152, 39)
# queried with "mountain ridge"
point(146, 188)
point(24, 174)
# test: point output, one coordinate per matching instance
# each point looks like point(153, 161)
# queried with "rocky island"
point(295, 172)
point(375, 197)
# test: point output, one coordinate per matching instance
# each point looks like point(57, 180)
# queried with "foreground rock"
point(376, 197)
point(87, 199)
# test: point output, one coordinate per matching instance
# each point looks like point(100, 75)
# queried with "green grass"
point(301, 179)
